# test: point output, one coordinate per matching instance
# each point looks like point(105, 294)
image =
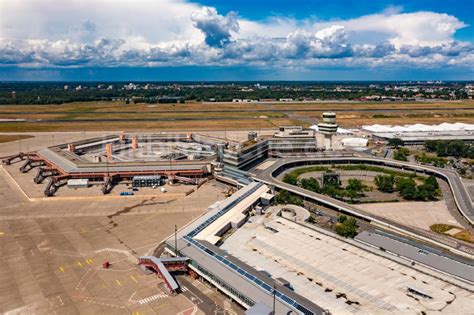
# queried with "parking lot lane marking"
point(133, 278)
point(61, 268)
point(118, 282)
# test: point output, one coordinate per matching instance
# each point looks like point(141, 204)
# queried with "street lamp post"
point(176, 240)
point(274, 299)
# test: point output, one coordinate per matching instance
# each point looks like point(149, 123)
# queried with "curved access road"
point(460, 194)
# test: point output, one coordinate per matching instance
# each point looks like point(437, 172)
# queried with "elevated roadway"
point(460, 194)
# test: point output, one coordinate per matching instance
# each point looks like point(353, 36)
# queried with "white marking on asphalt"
point(152, 298)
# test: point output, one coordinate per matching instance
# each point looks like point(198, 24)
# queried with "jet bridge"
point(163, 266)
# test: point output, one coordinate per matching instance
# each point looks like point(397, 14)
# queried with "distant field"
point(218, 116)
point(86, 107)
point(222, 124)
point(9, 138)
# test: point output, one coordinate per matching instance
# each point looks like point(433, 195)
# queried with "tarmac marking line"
point(152, 298)
point(79, 264)
point(61, 268)
point(106, 304)
point(133, 278)
point(118, 282)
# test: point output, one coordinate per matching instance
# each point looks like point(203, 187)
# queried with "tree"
point(431, 145)
point(431, 180)
point(395, 142)
point(429, 190)
point(291, 179)
point(354, 189)
point(346, 227)
point(470, 152)
point(401, 154)
point(341, 218)
point(406, 187)
point(457, 148)
point(332, 191)
point(355, 185)
point(425, 192)
point(351, 194)
point(384, 183)
point(311, 184)
point(436, 161)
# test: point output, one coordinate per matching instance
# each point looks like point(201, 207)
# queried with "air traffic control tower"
point(328, 128)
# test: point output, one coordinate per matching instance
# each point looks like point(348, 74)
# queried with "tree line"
point(407, 188)
point(351, 193)
point(455, 148)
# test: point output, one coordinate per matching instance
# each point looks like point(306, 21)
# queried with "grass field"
point(218, 116)
point(204, 124)
point(462, 235)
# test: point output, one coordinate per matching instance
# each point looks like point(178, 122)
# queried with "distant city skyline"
point(208, 40)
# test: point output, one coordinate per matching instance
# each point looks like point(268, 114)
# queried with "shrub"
point(285, 197)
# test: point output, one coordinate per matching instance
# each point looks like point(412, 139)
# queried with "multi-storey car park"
point(254, 165)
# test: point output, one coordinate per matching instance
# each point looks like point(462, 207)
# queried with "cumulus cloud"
point(417, 28)
point(330, 42)
point(10, 54)
point(452, 49)
point(177, 32)
point(374, 51)
point(215, 27)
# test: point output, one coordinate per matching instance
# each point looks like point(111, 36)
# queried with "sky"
point(215, 40)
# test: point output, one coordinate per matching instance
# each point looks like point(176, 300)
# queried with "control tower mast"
point(328, 127)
